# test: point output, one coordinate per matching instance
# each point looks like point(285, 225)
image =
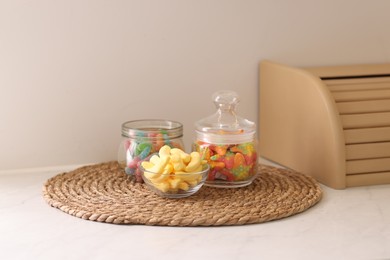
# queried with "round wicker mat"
point(104, 193)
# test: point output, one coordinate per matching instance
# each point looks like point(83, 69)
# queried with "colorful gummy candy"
point(233, 162)
point(173, 170)
point(140, 148)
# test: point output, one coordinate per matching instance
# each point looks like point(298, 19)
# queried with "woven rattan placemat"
point(104, 193)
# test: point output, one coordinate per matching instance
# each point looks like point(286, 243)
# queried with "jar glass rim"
point(148, 128)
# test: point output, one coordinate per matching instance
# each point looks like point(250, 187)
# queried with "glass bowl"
point(175, 185)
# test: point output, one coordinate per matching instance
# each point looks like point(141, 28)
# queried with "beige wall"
point(72, 71)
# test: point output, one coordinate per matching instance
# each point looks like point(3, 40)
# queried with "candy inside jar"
point(142, 138)
point(228, 143)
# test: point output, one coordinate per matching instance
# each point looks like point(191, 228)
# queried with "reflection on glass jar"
point(142, 138)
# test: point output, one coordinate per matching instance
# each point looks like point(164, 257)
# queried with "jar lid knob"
point(225, 99)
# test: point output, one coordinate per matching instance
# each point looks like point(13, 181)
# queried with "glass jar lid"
point(225, 126)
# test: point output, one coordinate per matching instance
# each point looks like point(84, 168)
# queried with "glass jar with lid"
point(142, 138)
point(228, 143)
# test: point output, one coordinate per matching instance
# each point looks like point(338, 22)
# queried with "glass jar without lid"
point(228, 143)
point(142, 138)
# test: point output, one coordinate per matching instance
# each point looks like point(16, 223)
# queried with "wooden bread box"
point(332, 123)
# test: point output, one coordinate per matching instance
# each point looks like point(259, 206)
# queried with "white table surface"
point(346, 224)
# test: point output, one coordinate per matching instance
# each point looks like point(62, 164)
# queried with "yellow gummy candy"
point(159, 168)
point(193, 183)
point(162, 186)
point(154, 159)
point(168, 169)
point(183, 155)
point(174, 183)
point(184, 186)
point(187, 177)
point(177, 163)
point(194, 163)
point(164, 175)
point(165, 151)
point(147, 165)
